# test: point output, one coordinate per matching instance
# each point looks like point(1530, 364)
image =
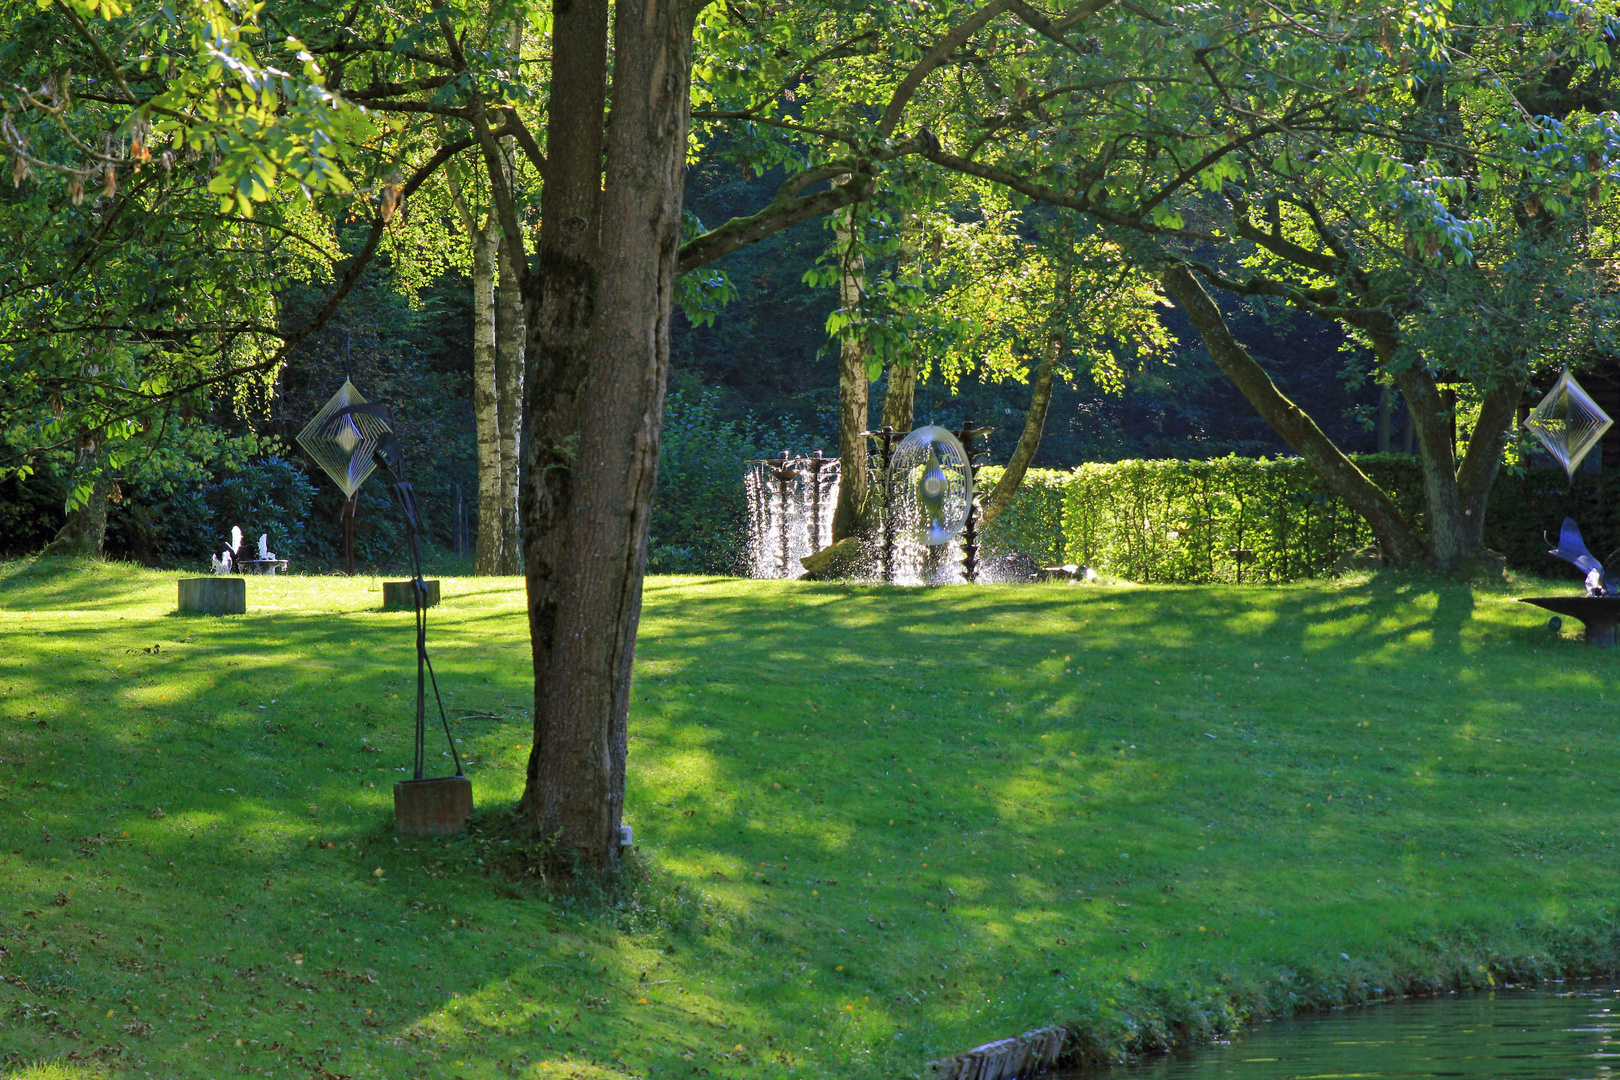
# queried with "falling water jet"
point(785, 522)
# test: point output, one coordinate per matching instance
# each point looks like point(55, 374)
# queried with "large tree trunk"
point(509, 335)
point(84, 534)
point(1029, 440)
point(854, 388)
point(586, 543)
point(1497, 416)
point(1341, 475)
point(559, 303)
point(486, 419)
point(900, 396)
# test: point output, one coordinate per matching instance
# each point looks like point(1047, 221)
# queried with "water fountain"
point(785, 520)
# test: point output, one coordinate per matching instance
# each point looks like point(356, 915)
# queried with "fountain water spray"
point(785, 524)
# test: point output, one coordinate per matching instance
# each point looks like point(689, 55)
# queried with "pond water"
point(1567, 1032)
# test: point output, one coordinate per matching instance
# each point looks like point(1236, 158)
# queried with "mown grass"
point(876, 826)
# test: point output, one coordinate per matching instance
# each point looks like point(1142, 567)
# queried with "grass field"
point(875, 826)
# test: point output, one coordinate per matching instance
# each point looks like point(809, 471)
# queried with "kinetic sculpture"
point(932, 483)
point(350, 438)
point(1599, 608)
point(1568, 422)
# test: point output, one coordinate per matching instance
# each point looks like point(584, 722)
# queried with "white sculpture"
point(225, 561)
point(265, 554)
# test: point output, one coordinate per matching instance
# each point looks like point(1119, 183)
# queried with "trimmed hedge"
point(1236, 519)
point(1033, 521)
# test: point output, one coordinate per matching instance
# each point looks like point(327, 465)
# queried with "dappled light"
point(875, 826)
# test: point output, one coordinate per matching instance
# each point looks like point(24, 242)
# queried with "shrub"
point(1033, 521)
point(270, 495)
point(700, 512)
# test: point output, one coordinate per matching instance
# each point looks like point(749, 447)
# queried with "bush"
point(1245, 519)
point(1033, 521)
point(270, 495)
point(700, 510)
point(1227, 520)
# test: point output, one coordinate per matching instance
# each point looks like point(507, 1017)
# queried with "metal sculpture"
point(350, 438)
point(931, 479)
point(1571, 548)
point(1599, 608)
point(347, 452)
point(1568, 422)
point(970, 526)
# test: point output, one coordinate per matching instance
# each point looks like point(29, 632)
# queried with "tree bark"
point(1482, 460)
point(599, 311)
point(559, 301)
point(84, 534)
point(900, 396)
point(854, 388)
point(1029, 440)
point(509, 335)
point(1341, 475)
point(486, 420)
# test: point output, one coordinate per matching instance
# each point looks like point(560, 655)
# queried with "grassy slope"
point(911, 820)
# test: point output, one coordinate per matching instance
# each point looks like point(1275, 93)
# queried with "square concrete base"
point(219, 595)
point(397, 595)
point(435, 807)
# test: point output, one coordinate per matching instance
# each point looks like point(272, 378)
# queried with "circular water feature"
point(1567, 1032)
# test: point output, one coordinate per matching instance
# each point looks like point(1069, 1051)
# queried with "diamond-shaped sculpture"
point(346, 447)
point(1568, 422)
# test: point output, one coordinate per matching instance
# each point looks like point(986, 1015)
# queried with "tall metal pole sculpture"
point(970, 530)
point(351, 438)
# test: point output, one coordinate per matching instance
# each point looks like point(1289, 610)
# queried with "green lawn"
point(876, 826)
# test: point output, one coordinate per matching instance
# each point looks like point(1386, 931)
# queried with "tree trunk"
point(900, 396)
point(1341, 475)
point(900, 390)
point(1029, 440)
point(559, 302)
point(509, 334)
point(595, 389)
point(84, 534)
point(1481, 461)
point(486, 419)
point(854, 388)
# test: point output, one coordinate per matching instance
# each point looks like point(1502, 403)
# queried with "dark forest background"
point(762, 378)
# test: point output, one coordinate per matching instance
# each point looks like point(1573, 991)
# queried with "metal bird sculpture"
point(1572, 549)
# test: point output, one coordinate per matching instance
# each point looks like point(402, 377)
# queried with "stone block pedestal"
point(438, 806)
point(219, 595)
point(397, 595)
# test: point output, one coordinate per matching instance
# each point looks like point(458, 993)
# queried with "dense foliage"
point(1256, 520)
point(700, 513)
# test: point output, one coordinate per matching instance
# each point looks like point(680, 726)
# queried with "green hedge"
point(1231, 519)
point(1243, 519)
point(1033, 523)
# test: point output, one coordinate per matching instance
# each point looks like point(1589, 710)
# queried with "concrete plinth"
point(435, 807)
point(221, 595)
point(397, 595)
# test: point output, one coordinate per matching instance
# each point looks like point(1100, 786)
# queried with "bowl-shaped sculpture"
point(931, 484)
point(1598, 613)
